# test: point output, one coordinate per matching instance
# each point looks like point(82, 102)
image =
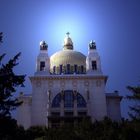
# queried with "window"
point(82, 69)
point(75, 68)
point(80, 101)
point(61, 69)
point(94, 65)
point(68, 68)
point(42, 66)
point(56, 101)
point(68, 99)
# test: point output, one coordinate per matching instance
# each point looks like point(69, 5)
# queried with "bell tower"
point(43, 60)
point(93, 63)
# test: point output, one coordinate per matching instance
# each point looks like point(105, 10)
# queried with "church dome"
point(68, 61)
point(65, 57)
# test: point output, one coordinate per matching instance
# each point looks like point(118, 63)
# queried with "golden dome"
point(68, 61)
point(68, 57)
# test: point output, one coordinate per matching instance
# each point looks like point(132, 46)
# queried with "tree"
point(9, 81)
point(0, 36)
point(135, 97)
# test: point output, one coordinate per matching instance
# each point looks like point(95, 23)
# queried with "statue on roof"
point(92, 44)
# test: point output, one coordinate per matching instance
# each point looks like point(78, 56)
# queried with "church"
point(66, 88)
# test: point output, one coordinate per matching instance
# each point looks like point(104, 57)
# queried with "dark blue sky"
point(114, 24)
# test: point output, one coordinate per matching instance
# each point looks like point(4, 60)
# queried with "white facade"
point(67, 87)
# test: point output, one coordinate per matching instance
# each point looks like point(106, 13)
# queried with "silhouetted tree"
point(9, 130)
point(86, 130)
point(0, 36)
point(35, 132)
point(9, 81)
point(135, 114)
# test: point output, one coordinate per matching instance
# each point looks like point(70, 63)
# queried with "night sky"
point(113, 24)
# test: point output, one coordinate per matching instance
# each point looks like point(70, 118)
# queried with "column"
point(48, 124)
point(88, 103)
point(75, 103)
point(62, 104)
point(49, 102)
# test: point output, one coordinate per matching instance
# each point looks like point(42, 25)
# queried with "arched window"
point(80, 101)
point(69, 100)
point(56, 101)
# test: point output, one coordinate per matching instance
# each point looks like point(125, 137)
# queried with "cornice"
point(69, 77)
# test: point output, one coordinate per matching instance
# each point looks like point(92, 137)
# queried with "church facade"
point(67, 87)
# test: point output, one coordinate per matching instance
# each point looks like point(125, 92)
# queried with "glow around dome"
point(68, 61)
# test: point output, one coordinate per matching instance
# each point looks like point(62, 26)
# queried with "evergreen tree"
point(135, 97)
point(0, 36)
point(9, 81)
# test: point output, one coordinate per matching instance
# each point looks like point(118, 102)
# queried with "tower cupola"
point(43, 45)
